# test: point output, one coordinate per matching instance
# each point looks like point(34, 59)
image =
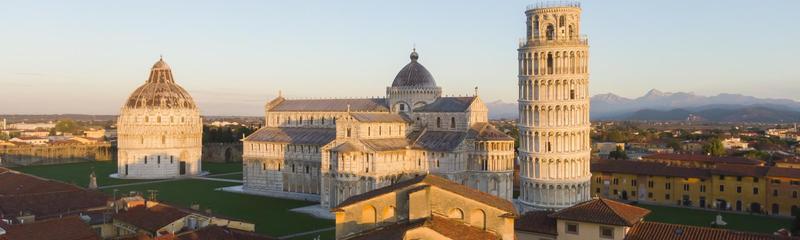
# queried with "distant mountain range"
point(666, 106)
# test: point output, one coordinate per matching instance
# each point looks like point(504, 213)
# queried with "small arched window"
point(438, 122)
point(550, 32)
point(452, 122)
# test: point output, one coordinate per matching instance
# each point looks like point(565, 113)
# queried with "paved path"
point(307, 233)
point(209, 177)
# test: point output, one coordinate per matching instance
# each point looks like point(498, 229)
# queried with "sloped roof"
point(487, 132)
point(331, 105)
point(448, 104)
point(45, 198)
point(440, 141)
point(702, 158)
point(160, 91)
point(536, 222)
point(739, 170)
point(666, 231)
point(784, 172)
point(311, 136)
point(151, 218)
point(380, 117)
point(346, 147)
point(442, 183)
point(67, 228)
point(648, 168)
point(387, 144)
point(220, 233)
point(603, 211)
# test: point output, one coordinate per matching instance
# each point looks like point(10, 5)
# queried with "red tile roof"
point(702, 158)
point(44, 198)
point(603, 211)
point(647, 168)
point(441, 183)
point(220, 233)
point(739, 170)
point(536, 222)
point(151, 219)
point(665, 231)
point(783, 172)
point(68, 228)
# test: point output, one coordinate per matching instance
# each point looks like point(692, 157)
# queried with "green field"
point(78, 173)
point(271, 215)
point(703, 218)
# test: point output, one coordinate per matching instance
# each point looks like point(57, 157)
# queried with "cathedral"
point(159, 130)
point(328, 150)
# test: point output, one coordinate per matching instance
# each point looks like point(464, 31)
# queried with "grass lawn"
point(703, 218)
point(78, 173)
point(271, 215)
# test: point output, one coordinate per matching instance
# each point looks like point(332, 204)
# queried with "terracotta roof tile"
point(783, 172)
point(536, 222)
point(648, 168)
point(665, 231)
point(151, 219)
point(45, 198)
point(220, 233)
point(702, 158)
point(603, 211)
point(67, 228)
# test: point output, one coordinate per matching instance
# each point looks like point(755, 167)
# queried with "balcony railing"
point(553, 4)
point(542, 40)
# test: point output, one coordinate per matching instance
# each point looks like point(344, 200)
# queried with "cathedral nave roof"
point(331, 105)
point(448, 104)
point(380, 117)
point(440, 141)
point(310, 136)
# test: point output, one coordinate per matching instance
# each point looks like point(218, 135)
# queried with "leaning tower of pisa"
point(553, 109)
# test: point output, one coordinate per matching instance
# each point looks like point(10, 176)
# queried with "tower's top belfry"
point(554, 21)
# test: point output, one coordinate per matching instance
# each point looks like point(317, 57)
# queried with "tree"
point(618, 154)
point(67, 126)
point(714, 147)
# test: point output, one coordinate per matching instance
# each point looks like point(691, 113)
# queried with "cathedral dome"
point(160, 91)
point(414, 75)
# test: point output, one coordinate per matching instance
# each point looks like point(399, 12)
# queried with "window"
point(438, 122)
point(452, 122)
point(145, 159)
point(775, 192)
point(721, 188)
point(606, 232)
point(572, 94)
point(755, 179)
point(616, 181)
point(348, 132)
point(755, 190)
point(776, 181)
point(159, 159)
point(171, 160)
point(685, 187)
point(597, 190)
point(572, 228)
point(634, 183)
point(615, 192)
point(668, 186)
point(721, 177)
point(650, 195)
point(794, 194)
point(738, 189)
point(402, 107)
point(650, 184)
point(702, 188)
point(666, 196)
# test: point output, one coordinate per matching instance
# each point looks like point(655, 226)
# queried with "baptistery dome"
point(160, 91)
point(159, 130)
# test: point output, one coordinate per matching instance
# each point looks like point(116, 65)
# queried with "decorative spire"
point(414, 55)
point(476, 91)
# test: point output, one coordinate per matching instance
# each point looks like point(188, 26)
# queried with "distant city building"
point(224, 123)
point(426, 207)
point(160, 130)
point(604, 148)
point(95, 133)
point(332, 149)
point(31, 140)
point(699, 161)
point(139, 217)
point(32, 126)
point(3, 124)
point(735, 144)
point(34, 133)
point(554, 125)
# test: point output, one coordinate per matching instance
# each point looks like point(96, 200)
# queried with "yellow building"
point(732, 187)
point(425, 207)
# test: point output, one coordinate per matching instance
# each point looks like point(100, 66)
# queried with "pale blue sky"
point(232, 56)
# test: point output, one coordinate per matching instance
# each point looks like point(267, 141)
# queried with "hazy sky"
point(233, 56)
